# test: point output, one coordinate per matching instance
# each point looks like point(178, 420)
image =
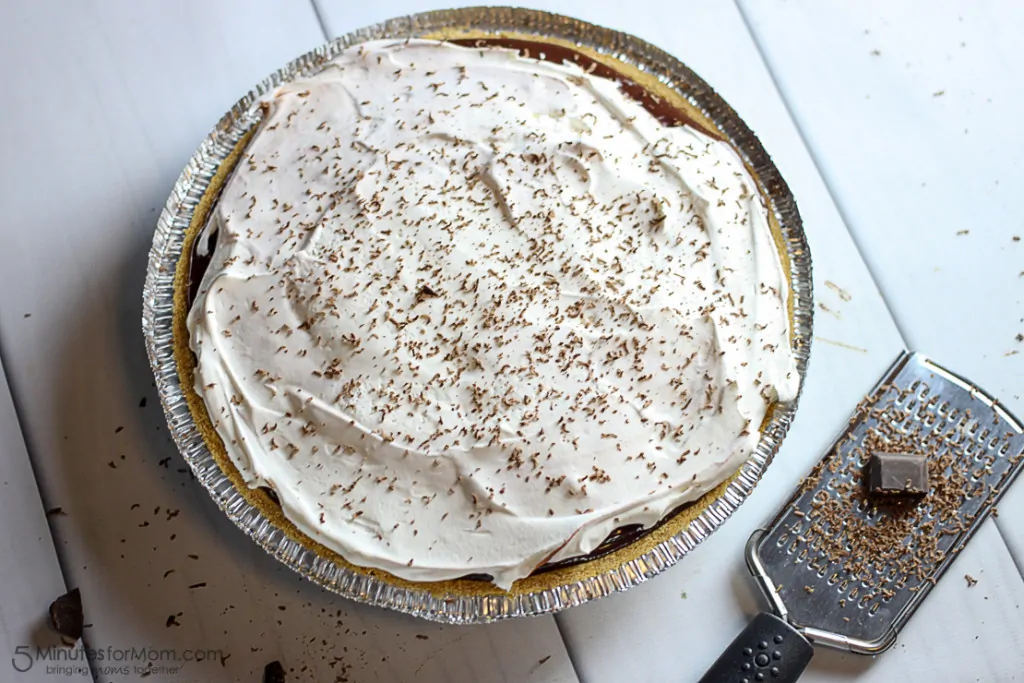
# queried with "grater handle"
point(768, 650)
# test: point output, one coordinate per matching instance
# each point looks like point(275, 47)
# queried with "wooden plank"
point(28, 563)
point(106, 104)
point(916, 133)
point(654, 633)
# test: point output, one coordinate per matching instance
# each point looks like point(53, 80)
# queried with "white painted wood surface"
point(98, 125)
point(912, 112)
point(103, 104)
point(30, 576)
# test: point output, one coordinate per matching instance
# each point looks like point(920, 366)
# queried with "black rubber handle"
point(768, 650)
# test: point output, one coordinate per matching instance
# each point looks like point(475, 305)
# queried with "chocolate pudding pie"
point(472, 307)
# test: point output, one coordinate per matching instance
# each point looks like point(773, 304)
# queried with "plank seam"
point(320, 19)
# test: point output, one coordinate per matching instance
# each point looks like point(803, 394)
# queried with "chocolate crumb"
point(142, 403)
point(119, 430)
point(172, 620)
point(66, 615)
point(201, 584)
point(543, 660)
point(425, 292)
point(55, 512)
point(420, 636)
point(971, 581)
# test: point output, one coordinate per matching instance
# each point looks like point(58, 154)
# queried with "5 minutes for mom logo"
point(124, 661)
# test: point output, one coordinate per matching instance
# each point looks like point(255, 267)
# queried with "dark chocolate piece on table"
point(897, 474)
point(66, 615)
point(273, 672)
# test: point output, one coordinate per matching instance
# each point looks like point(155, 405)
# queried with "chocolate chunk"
point(273, 673)
point(66, 615)
point(897, 473)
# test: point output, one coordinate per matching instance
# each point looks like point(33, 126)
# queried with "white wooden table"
point(896, 125)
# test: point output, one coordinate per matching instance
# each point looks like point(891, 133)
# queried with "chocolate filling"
point(661, 109)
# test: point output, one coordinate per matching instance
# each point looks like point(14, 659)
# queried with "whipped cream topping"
point(469, 312)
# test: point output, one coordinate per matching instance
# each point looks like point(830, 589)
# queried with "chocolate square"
point(897, 474)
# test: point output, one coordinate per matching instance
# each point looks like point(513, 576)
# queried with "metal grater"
point(843, 569)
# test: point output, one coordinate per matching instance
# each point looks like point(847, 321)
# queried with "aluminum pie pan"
point(370, 587)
